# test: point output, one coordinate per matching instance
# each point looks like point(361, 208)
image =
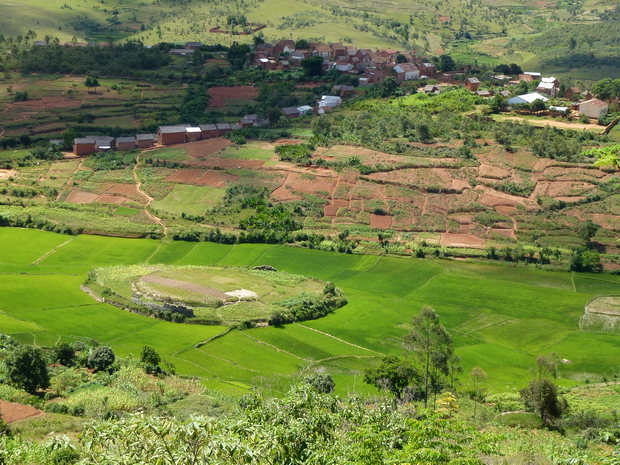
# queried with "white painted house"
point(527, 98)
point(593, 108)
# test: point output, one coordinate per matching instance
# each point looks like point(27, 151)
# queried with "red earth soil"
point(461, 240)
point(14, 412)
point(492, 201)
point(215, 179)
point(204, 148)
point(332, 209)
point(184, 176)
point(226, 163)
point(123, 189)
point(219, 95)
point(117, 199)
point(380, 221)
point(506, 210)
point(77, 196)
point(490, 171)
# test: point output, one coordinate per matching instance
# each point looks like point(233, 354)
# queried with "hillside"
point(484, 31)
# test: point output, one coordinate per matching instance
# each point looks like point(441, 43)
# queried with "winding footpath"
point(147, 197)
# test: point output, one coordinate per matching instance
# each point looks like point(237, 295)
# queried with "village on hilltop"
point(370, 68)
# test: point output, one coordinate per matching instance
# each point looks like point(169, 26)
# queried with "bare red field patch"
point(490, 171)
point(14, 412)
point(215, 179)
point(220, 95)
point(331, 210)
point(493, 201)
point(77, 196)
point(569, 199)
point(461, 240)
point(207, 147)
point(116, 199)
point(227, 163)
point(381, 221)
point(184, 176)
point(123, 189)
point(505, 209)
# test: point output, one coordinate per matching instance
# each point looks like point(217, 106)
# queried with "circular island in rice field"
point(228, 296)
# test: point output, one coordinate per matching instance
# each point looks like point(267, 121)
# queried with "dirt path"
point(60, 191)
point(147, 197)
point(557, 124)
point(337, 338)
point(44, 256)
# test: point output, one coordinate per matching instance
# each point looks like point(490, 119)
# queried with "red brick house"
point(146, 140)
point(83, 146)
point(167, 135)
point(472, 84)
point(125, 143)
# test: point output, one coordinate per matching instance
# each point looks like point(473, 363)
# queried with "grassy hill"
point(501, 318)
point(485, 27)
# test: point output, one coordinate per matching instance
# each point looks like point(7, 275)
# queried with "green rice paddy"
point(501, 318)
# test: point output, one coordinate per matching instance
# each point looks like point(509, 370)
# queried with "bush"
point(100, 358)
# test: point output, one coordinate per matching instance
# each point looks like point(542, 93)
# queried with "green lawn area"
point(501, 318)
point(249, 151)
point(192, 200)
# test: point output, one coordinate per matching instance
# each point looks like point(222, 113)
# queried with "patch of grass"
point(125, 211)
point(192, 200)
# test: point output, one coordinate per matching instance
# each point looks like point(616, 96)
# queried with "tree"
point(91, 81)
point(431, 345)
point(446, 63)
point(101, 358)
point(604, 89)
point(547, 365)
point(400, 58)
point(394, 374)
point(313, 66)
point(27, 369)
point(388, 86)
point(321, 126)
point(323, 383)
point(584, 259)
point(538, 105)
point(149, 356)
point(541, 397)
point(302, 44)
point(498, 103)
point(587, 231)
point(424, 133)
point(64, 353)
point(477, 375)
point(572, 43)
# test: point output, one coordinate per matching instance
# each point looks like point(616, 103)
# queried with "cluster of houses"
point(92, 144)
point(548, 87)
point(166, 135)
point(178, 134)
point(372, 65)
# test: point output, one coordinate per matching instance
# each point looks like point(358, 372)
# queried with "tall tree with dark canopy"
point(393, 374)
point(27, 369)
point(431, 346)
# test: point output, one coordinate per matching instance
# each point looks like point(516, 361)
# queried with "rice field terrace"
point(500, 317)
